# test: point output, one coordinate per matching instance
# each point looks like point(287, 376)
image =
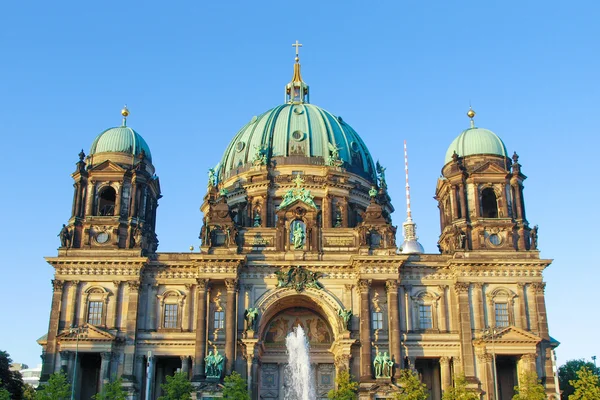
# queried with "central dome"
point(297, 133)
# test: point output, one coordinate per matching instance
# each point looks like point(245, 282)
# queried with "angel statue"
point(298, 237)
point(212, 178)
point(381, 174)
point(333, 160)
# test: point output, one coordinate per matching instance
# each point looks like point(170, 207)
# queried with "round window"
point(102, 237)
point(298, 136)
point(495, 239)
point(354, 146)
point(298, 110)
point(239, 146)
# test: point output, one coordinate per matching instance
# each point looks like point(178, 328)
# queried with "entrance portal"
point(271, 380)
point(507, 377)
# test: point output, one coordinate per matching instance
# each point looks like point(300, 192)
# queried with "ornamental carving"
point(391, 285)
point(57, 285)
point(202, 284)
point(539, 287)
point(298, 193)
point(134, 286)
point(298, 278)
point(231, 284)
point(342, 361)
point(461, 287)
point(364, 285)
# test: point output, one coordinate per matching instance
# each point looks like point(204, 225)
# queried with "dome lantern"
point(296, 91)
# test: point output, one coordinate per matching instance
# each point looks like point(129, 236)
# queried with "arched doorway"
point(280, 319)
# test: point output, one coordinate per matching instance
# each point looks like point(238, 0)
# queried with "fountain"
point(299, 376)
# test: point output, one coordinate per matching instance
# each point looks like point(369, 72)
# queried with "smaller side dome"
point(121, 139)
point(474, 141)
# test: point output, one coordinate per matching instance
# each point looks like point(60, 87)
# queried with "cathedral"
point(297, 232)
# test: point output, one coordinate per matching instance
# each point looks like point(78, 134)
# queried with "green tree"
point(28, 392)
point(4, 394)
point(459, 391)
point(347, 388)
point(178, 387)
point(10, 380)
point(530, 388)
point(412, 387)
point(235, 387)
point(568, 372)
point(587, 385)
point(57, 388)
point(112, 390)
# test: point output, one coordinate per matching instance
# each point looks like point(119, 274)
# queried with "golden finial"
point(125, 114)
point(191, 248)
point(471, 114)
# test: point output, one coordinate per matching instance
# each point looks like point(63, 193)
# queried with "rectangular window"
point(95, 313)
point(219, 319)
point(425, 321)
point(171, 311)
point(377, 320)
point(501, 314)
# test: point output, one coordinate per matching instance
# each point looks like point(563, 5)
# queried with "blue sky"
point(193, 73)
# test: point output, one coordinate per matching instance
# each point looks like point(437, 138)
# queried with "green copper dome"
point(474, 141)
point(297, 133)
point(121, 139)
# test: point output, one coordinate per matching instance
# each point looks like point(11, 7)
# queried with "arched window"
point(171, 306)
point(96, 302)
point(501, 308)
point(425, 308)
point(489, 203)
point(106, 201)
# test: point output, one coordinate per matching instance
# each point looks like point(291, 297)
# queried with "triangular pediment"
point(89, 333)
point(107, 166)
point(297, 203)
point(513, 334)
point(489, 168)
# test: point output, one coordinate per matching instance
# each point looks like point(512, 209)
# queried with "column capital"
point(530, 358)
point(363, 285)
point(391, 285)
point(538, 287)
point(461, 287)
point(134, 286)
point(484, 357)
point(65, 355)
point(57, 285)
point(231, 285)
point(342, 361)
point(520, 285)
point(477, 285)
point(445, 360)
point(139, 358)
point(202, 283)
point(349, 286)
point(442, 288)
point(184, 358)
point(106, 356)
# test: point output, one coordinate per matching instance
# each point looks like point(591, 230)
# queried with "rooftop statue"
point(345, 315)
point(333, 160)
point(261, 156)
point(298, 193)
point(381, 175)
point(212, 178)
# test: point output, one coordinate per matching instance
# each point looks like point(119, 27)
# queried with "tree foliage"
point(412, 387)
point(347, 388)
point(530, 388)
point(177, 387)
point(4, 394)
point(587, 385)
point(57, 388)
point(28, 392)
point(459, 390)
point(568, 372)
point(112, 390)
point(235, 387)
point(10, 380)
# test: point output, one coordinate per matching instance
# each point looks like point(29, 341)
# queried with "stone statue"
point(533, 235)
point(260, 156)
point(338, 219)
point(213, 367)
point(388, 364)
point(250, 316)
point(298, 278)
point(345, 315)
point(298, 237)
point(212, 178)
point(378, 364)
point(137, 237)
point(65, 237)
point(373, 192)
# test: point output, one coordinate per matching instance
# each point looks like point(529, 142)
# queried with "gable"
point(90, 333)
point(489, 168)
point(107, 166)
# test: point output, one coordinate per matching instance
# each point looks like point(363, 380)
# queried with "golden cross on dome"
point(298, 181)
point(296, 45)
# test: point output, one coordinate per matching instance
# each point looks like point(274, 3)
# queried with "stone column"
point(445, 373)
point(478, 307)
point(150, 377)
point(342, 363)
point(75, 199)
point(408, 308)
point(230, 326)
point(131, 329)
point(517, 203)
point(263, 211)
point(401, 309)
point(112, 324)
point(527, 363)
point(477, 199)
point(365, 330)
point(185, 365)
point(89, 203)
point(540, 302)
point(200, 345)
point(344, 212)
point(105, 368)
point(327, 212)
point(139, 370)
point(521, 317)
point(50, 354)
point(454, 201)
point(134, 204)
point(186, 305)
point(394, 323)
point(64, 361)
point(119, 190)
point(486, 374)
point(463, 204)
point(453, 312)
point(533, 312)
point(462, 290)
point(443, 325)
point(72, 306)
